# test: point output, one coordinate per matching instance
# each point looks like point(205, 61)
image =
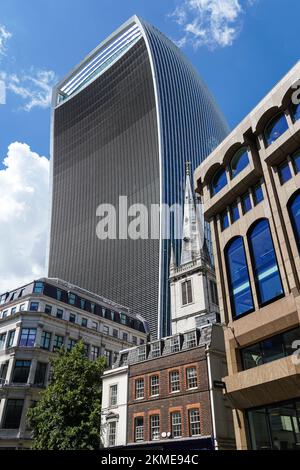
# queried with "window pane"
point(239, 162)
point(154, 427)
point(259, 430)
point(289, 338)
point(234, 212)
point(218, 181)
point(176, 424)
point(294, 211)
point(246, 203)
point(258, 194)
point(275, 129)
point(38, 287)
point(273, 349)
point(13, 414)
point(194, 418)
point(238, 278)
point(224, 220)
point(252, 356)
point(21, 371)
point(139, 428)
point(265, 266)
point(40, 374)
point(295, 111)
point(27, 337)
point(284, 173)
point(296, 161)
point(189, 291)
point(284, 427)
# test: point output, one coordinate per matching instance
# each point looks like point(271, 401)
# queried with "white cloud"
point(35, 88)
point(24, 193)
point(5, 35)
point(212, 23)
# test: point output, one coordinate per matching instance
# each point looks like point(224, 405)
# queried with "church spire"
point(192, 232)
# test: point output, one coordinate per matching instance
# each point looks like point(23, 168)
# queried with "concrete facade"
point(273, 166)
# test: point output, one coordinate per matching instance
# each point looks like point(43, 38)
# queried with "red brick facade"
point(166, 401)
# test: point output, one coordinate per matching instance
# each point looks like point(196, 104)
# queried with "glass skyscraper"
point(125, 121)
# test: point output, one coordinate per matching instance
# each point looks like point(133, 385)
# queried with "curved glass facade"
point(238, 278)
point(128, 132)
point(265, 267)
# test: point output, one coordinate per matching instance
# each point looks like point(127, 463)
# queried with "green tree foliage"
point(68, 415)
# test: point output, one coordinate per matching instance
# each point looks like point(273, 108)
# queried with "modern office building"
point(250, 190)
point(125, 120)
point(167, 394)
point(35, 321)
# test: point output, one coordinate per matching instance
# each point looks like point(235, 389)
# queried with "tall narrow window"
point(112, 431)
point(2, 341)
point(224, 220)
point(238, 278)
point(186, 291)
point(191, 377)
point(265, 267)
point(58, 342)
point(174, 381)
point(174, 344)
point(296, 161)
point(234, 213)
point(154, 385)
point(246, 203)
point(113, 395)
point(46, 340)
point(40, 374)
point(176, 424)
point(154, 427)
point(139, 429)
point(294, 211)
point(194, 422)
point(284, 172)
point(139, 388)
point(95, 352)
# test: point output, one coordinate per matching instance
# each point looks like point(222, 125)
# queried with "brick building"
point(173, 398)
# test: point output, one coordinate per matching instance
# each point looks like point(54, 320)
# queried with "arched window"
point(275, 128)
point(239, 161)
point(218, 181)
point(295, 112)
point(294, 211)
point(265, 267)
point(238, 278)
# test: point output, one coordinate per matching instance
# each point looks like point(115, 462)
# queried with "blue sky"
point(54, 35)
point(241, 48)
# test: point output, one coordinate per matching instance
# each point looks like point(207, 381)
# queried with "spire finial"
point(187, 168)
